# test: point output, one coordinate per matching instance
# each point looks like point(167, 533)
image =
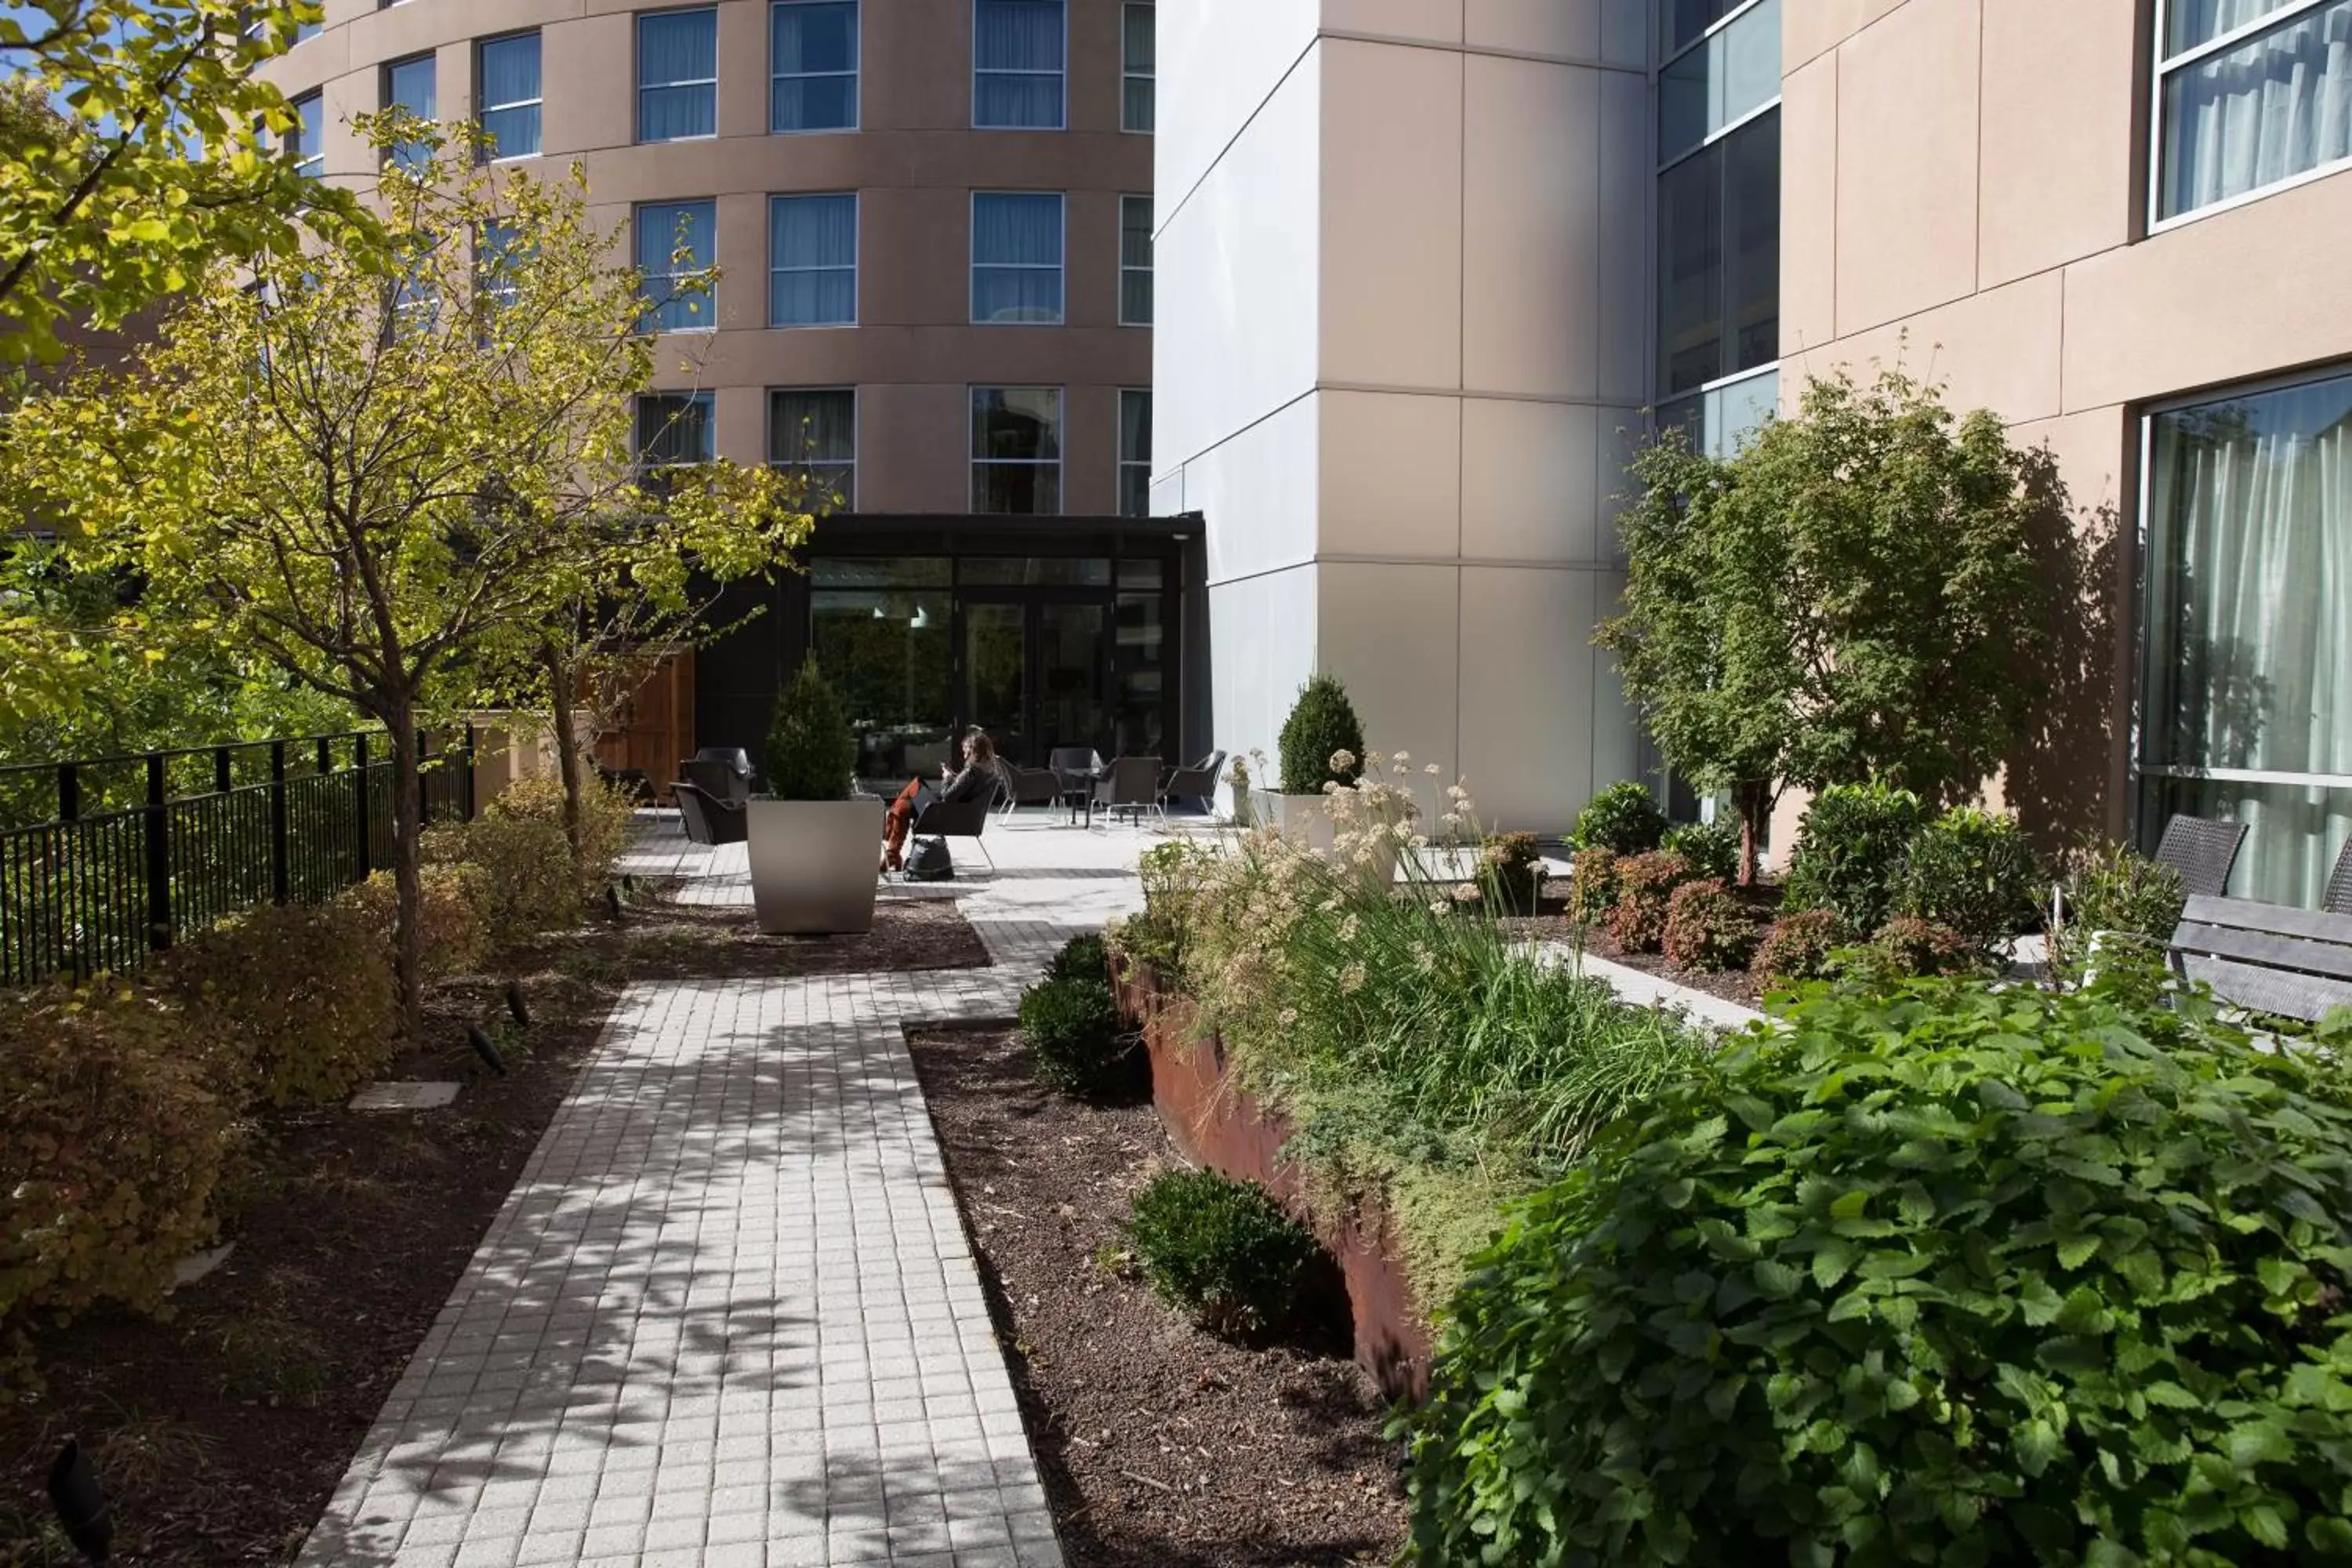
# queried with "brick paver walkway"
point(728, 1315)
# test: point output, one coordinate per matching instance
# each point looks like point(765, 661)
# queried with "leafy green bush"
point(525, 882)
point(1075, 1039)
point(2113, 889)
point(1907, 947)
point(1591, 886)
point(811, 749)
point(606, 814)
point(1322, 729)
point(1956, 1274)
point(297, 1002)
point(1849, 854)
point(1171, 875)
point(1798, 947)
point(447, 916)
point(1711, 847)
point(1510, 872)
point(1223, 1250)
point(1975, 873)
point(1622, 820)
point(1081, 958)
point(1645, 885)
point(1709, 928)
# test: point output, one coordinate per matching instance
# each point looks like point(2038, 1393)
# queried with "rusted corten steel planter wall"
point(1217, 1123)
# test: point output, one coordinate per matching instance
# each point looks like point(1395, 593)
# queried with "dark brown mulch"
point(220, 1432)
point(1161, 1446)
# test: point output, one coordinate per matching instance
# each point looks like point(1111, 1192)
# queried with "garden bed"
point(220, 1432)
point(1160, 1445)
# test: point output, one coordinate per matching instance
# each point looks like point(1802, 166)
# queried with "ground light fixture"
point(481, 1041)
point(518, 1004)
point(84, 1510)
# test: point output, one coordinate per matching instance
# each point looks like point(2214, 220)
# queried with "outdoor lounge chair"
point(2202, 851)
point(1130, 785)
point(1198, 781)
point(958, 819)
point(1027, 786)
point(718, 779)
point(709, 820)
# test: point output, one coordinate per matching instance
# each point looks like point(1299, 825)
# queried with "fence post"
point(471, 741)
point(423, 776)
point(222, 781)
point(281, 870)
point(69, 793)
point(159, 855)
point(360, 797)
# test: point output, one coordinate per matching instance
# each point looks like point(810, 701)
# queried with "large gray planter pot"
point(1306, 819)
point(813, 865)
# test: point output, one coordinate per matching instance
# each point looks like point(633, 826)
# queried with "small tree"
point(811, 748)
point(1322, 725)
point(1851, 596)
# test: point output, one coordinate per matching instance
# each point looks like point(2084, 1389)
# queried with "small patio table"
point(1076, 789)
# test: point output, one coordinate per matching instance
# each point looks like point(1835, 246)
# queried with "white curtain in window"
point(510, 95)
point(2254, 533)
point(814, 59)
point(1017, 254)
point(2251, 116)
point(813, 259)
point(663, 232)
point(677, 70)
point(1017, 63)
point(2193, 22)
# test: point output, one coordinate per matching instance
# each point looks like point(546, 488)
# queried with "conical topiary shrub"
point(1322, 724)
point(812, 750)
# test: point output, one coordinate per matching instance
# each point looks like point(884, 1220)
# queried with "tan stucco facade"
point(914, 161)
point(1965, 190)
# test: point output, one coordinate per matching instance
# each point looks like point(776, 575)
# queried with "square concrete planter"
point(1306, 819)
point(813, 865)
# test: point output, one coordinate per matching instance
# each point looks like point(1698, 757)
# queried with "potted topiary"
point(813, 843)
point(1322, 743)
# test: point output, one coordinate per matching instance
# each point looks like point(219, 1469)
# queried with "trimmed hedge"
point(1223, 1250)
point(1849, 854)
point(1645, 886)
point(1322, 726)
point(1797, 947)
point(1076, 1040)
point(1974, 873)
point(296, 1004)
point(1622, 820)
point(1709, 928)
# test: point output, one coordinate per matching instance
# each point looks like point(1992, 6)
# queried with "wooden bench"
point(2266, 958)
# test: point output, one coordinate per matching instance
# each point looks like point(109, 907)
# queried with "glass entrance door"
point(996, 666)
point(1037, 669)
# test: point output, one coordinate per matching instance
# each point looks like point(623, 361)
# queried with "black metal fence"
point(105, 860)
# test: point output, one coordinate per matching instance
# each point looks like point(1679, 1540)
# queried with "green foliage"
point(1076, 1040)
point(811, 749)
point(606, 815)
point(1711, 847)
point(1951, 1275)
point(1510, 872)
point(1171, 873)
point(1621, 819)
point(1798, 947)
point(2113, 889)
point(1081, 958)
point(1853, 596)
point(1645, 887)
point(295, 1004)
point(1322, 740)
point(1907, 947)
point(1709, 928)
point(1849, 854)
point(1223, 1250)
point(116, 1140)
point(448, 920)
point(1591, 886)
point(524, 880)
point(1975, 873)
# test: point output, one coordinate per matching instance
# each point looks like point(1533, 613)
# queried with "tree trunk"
point(407, 878)
point(1753, 800)
point(561, 707)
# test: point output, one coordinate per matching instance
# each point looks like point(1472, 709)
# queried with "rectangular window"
point(1017, 52)
point(675, 244)
point(2249, 94)
point(1720, 81)
point(813, 261)
point(1135, 261)
point(408, 84)
point(1016, 450)
point(812, 431)
point(499, 253)
point(1016, 258)
point(674, 431)
point(677, 75)
point(307, 143)
point(1134, 453)
point(1138, 108)
point(1719, 258)
point(812, 65)
point(509, 91)
point(2246, 690)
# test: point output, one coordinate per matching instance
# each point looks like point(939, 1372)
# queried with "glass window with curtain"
point(674, 430)
point(1135, 261)
point(677, 75)
point(2249, 94)
point(1134, 453)
point(676, 242)
point(1016, 258)
point(813, 432)
point(812, 260)
point(1139, 109)
point(1016, 450)
point(408, 84)
point(2246, 692)
point(509, 93)
point(1017, 54)
point(308, 143)
point(812, 65)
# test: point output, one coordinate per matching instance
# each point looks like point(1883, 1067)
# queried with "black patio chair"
point(958, 819)
point(2338, 899)
point(2203, 851)
point(718, 779)
point(1130, 785)
point(1198, 781)
point(1027, 786)
point(709, 820)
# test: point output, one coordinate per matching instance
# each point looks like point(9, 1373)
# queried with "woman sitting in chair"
point(976, 781)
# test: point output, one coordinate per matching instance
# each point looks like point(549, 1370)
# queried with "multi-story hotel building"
point(931, 220)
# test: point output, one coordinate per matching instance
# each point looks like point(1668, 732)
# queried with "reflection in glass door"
point(1071, 706)
point(996, 662)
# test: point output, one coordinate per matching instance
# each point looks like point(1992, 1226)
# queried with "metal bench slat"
point(2297, 954)
point(2245, 914)
point(2305, 996)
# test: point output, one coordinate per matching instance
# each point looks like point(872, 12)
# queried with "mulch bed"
point(1161, 1446)
point(220, 1432)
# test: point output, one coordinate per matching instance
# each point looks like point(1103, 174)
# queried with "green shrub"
point(1172, 873)
point(1591, 886)
point(1223, 1250)
point(448, 920)
point(1075, 1039)
point(1621, 819)
point(1645, 886)
point(1974, 873)
point(524, 880)
point(115, 1142)
point(1709, 928)
point(2111, 887)
point(1798, 947)
point(606, 814)
point(1711, 847)
point(1510, 872)
point(1322, 729)
point(1960, 1275)
point(1907, 947)
point(1849, 854)
point(296, 1002)
point(1081, 958)
point(811, 749)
